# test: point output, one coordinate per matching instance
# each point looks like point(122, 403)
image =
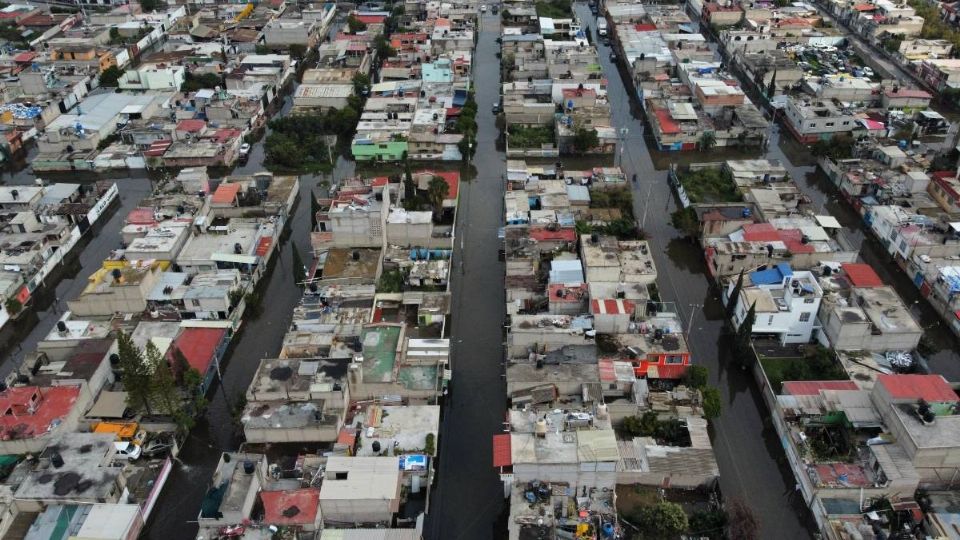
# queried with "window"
point(829, 124)
point(805, 316)
point(673, 359)
point(770, 321)
point(808, 300)
point(846, 122)
point(903, 245)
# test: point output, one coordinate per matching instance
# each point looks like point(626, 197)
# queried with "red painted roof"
point(157, 148)
point(380, 181)
point(226, 193)
point(502, 455)
point(263, 245)
point(542, 234)
point(47, 405)
point(25, 57)
point(907, 93)
point(141, 216)
point(191, 125)
point(453, 181)
point(198, 346)
point(611, 306)
point(760, 232)
point(864, 7)
point(861, 275)
point(793, 238)
point(226, 134)
point(370, 19)
point(812, 388)
point(667, 125)
point(347, 437)
point(576, 92)
point(570, 295)
point(301, 503)
point(932, 388)
point(644, 27)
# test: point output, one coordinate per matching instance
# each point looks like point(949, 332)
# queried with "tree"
point(696, 377)
point(163, 383)
point(734, 299)
point(361, 84)
point(135, 374)
point(712, 404)
point(110, 76)
point(707, 140)
point(707, 523)
point(193, 385)
point(663, 520)
point(355, 25)
point(298, 50)
point(686, 221)
point(179, 363)
point(149, 5)
point(772, 87)
point(382, 46)
point(741, 344)
point(437, 191)
point(585, 140)
point(13, 306)
point(430, 444)
point(115, 36)
point(743, 524)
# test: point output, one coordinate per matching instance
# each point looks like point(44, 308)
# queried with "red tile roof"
point(760, 232)
point(29, 411)
point(347, 437)
point(502, 455)
point(198, 346)
point(226, 193)
point(667, 125)
point(542, 234)
point(932, 388)
point(380, 181)
point(453, 182)
point(864, 7)
point(812, 388)
point(24, 57)
point(861, 275)
point(644, 27)
point(191, 125)
point(226, 134)
point(571, 294)
point(290, 507)
point(370, 19)
point(611, 306)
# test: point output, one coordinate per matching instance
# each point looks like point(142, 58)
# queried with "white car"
point(483, 8)
point(127, 450)
point(868, 71)
point(244, 149)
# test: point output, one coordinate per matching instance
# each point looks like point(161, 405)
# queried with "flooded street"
point(468, 496)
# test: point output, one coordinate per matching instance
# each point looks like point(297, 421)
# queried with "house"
point(278, 508)
point(153, 77)
point(814, 120)
point(74, 468)
point(202, 348)
point(905, 98)
point(297, 400)
point(785, 302)
point(360, 490)
point(100, 521)
point(117, 288)
point(234, 490)
point(33, 415)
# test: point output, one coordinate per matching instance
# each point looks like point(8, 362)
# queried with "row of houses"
point(79, 454)
point(589, 345)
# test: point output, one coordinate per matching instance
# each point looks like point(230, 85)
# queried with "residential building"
point(785, 303)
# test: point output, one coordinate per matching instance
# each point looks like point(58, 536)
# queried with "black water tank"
point(249, 467)
point(356, 255)
point(114, 359)
point(61, 326)
point(376, 447)
point(56, 460)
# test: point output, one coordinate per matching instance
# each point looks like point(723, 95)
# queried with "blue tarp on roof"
point(771, 276)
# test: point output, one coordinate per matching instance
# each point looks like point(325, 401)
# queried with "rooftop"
point(361, 478)
point(84, 474)
point(932, 388)
point(290, 507)
point(404, 428)
point(31, 411)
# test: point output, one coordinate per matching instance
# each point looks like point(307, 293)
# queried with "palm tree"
point(437, 191)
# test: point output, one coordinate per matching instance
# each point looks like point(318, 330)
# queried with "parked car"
point(496, 108)
point(613, 56)
point(127, 450)
point(494, 10)
point(244, 150)
point(483, 8)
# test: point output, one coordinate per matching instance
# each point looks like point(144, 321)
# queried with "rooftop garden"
point(711, 185)
point(530, 137)
point(654, 512)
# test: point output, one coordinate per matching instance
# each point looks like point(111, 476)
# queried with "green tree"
point(149, 5)
point(135, 374)
point(115, 36)
point(585, 140)
point(391, 281)
point(696, 377)
point(734, 298)
point(743, 523)
point(110, 77)
point(13, 306)
point(355, 25)
point(382, 46)
point(707, 523)
point(712, 404)
point(772, 87)
point(299, 273)
point(361, 84)
point(707, 140)
point(741, 345)
point(163, 383)
point(430, 444)
point(437, 191)
point(193, 385)
point(298, 50)
point(686, 221)
point(663, 520)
